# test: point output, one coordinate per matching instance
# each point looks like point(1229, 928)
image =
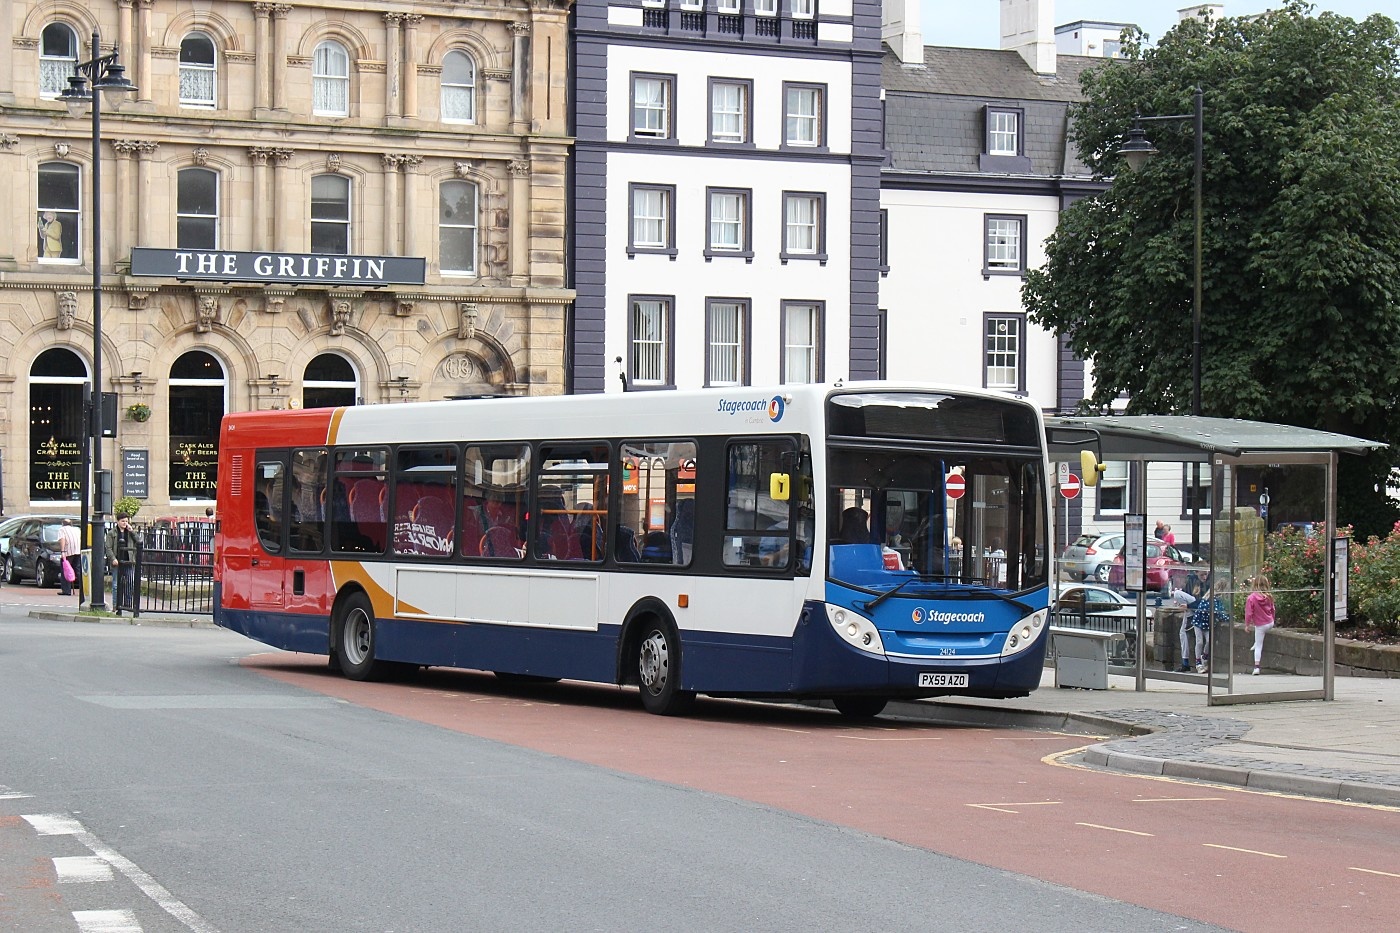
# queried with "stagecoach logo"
point(774, 407)
point(920, 614)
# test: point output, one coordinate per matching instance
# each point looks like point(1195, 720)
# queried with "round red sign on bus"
point(955, 486)
point(1070, 487)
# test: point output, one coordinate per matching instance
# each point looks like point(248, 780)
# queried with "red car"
point(1164, 566)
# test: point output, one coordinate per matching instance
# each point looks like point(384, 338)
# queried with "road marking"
point(1372, 871)
point(1172, 799)
point(7, 794)
point(891, 738)
point(1114, 829)
point(54, 824)
point(61, 824)
point(1212, 845)
point(106, 921)
point(81, 869)
point(1002, 807)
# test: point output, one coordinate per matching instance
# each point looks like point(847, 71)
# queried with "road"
point(229, 793)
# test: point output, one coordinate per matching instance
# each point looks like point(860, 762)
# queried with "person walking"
point(1259, 615)
point(69, 546)
point(123, 550)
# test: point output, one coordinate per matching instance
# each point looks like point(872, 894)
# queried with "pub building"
point(301, 207)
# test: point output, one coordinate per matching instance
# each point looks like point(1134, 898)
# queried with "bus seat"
point(471, 529)
point(563, 540)
point(625, 545)
point(500, 541)
point(434, 512)
point(860, 564)
point(656, 548)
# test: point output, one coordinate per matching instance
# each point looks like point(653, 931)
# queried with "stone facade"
point(290, 95)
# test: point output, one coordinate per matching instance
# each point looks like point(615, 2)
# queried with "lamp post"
point(101, 73)
point(1136, 150)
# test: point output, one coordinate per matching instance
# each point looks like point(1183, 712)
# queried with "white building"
point(725, 192)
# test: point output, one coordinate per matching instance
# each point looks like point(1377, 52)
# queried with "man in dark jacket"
point(123, 548)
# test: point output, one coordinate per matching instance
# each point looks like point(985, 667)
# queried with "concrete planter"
point(1295, 652)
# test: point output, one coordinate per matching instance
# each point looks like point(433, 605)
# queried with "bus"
point(850, 542)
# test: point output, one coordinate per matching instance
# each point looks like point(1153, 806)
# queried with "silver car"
point(1091, 555)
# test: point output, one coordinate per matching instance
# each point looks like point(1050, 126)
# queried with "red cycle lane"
point(1233, 858)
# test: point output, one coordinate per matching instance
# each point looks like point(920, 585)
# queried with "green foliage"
point(126, 505)
point(1374, 585)
point(1293, 564)
point(1300, 263)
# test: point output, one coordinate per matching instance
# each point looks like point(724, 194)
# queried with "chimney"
point(899, 27)
point(1028, 27)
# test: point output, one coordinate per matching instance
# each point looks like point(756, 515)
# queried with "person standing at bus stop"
point(123, 549)
point(69, 544)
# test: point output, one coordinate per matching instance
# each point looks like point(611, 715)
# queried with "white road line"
point(106, 921)
point(7, 794)
point(1372, 871)
point(79, 869)
point(1172, 799)
point(1114, 829)
point(1002, 807)
point(56, 824)
point(1212, 845)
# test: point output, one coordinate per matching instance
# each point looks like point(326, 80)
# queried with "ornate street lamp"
point(101, 73)
point(1136, 150)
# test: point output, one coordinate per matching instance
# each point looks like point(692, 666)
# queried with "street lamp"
point(1136, 150)
point(103, 73)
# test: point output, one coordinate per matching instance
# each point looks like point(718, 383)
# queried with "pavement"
point(1345, 749)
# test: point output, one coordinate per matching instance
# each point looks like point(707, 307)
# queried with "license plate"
point(942, 680)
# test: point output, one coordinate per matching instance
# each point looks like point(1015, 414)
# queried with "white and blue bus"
point(853, 542)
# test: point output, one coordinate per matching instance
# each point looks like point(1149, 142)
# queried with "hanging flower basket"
point(139, 412)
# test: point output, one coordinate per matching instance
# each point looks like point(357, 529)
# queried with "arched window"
point(329, 382)
point(197, 71)
point(58, 58)
point(197, 209)
point(330, 80)
point(457, 227)
point(458, 88)
point(197, 405)
point(60, 218)
point(330, 214)
point(56, 381)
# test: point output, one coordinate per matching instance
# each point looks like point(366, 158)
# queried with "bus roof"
point(732, 410)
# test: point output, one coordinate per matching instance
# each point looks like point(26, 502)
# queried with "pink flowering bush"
point(1374, 594)
point(1293, 563)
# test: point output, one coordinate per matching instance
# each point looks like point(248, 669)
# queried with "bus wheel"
point(659, 669)
point(860, 707)
point(356, 641)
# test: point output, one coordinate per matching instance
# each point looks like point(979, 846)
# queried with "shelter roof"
point(1125, 437)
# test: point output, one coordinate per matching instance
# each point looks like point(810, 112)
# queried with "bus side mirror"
point(779, 486)
point(1090, 467)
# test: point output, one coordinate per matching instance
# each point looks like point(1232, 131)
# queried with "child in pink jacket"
point(1259, 615)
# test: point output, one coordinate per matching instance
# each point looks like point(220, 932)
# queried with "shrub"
point(126, 505)
point(1293, 563)
point(1374, 584)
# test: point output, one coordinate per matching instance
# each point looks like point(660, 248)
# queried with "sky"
point(977, 23)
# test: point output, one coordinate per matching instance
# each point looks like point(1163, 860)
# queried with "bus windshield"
point(930, 517)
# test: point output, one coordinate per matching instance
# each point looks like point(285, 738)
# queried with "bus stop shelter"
point(1249, 492)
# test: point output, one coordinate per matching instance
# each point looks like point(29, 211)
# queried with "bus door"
point(265, 571)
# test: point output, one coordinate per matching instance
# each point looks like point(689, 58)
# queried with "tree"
point(1301, 233)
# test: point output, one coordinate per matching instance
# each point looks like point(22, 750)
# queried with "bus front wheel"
point(355, 644)
point(659, 669)
point(860, 707)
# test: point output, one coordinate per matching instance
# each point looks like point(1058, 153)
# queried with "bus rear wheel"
point(659, 670)
point(355, 640)
point(860, 707)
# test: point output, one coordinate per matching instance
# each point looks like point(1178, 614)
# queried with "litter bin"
point(1081, 657)
point(1166, 635)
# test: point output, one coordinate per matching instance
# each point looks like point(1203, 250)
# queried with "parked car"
point(34, 550)
point(1164, 567)
point(1099, 609)
point(1091, 555)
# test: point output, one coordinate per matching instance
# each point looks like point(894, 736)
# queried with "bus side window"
point(267, 504)
point(757, 532)
point(657, 513)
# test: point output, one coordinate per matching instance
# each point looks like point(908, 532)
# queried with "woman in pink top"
point(1259, 615)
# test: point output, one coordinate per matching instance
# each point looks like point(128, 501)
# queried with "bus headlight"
point(855, 629)
point(1025, 632)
